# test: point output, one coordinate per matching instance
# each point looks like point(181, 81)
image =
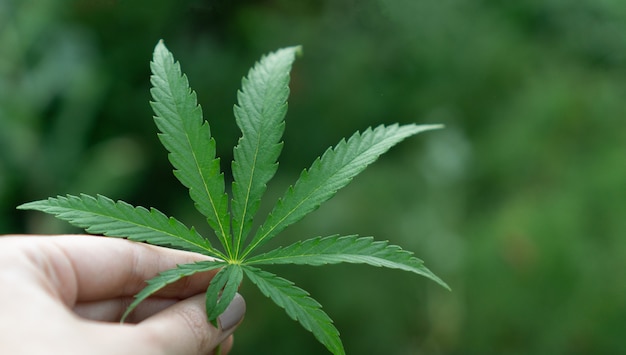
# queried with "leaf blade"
point(101, 215)
point(222, 290)
point(346, 249)
point(168, 277)
point(334, 170)
point(298, 305)
point(187, 138)
point(259, 113)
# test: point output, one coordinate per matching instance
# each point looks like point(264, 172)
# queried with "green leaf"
point(101, 215)
point(334, 170)
point(298, 305)
point(346, 249)
point(168, 277)
point(260, 113)
point(222, 290)
point(187, 136)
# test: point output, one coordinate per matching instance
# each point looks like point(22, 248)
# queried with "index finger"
point(89, 268)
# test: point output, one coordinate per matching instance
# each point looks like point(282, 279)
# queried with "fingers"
point(96, 276)
point(183, 328)
point(111, 310)
point(90, 268)
point(106, 267)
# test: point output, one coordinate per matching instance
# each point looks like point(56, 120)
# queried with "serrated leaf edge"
point(315, 320)
point(168, 277)
point(346, 249)
point(163, 66)
point(138, 219)
point(341, 175)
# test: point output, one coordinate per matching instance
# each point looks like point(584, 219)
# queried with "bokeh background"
point(519, 204)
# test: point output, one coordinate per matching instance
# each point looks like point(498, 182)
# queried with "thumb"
point(184, 329)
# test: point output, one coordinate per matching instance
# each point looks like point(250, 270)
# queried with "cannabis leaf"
point(188, 139)
point(170, 276)
point(260, 114)
point(101, 215)
point(333, 171)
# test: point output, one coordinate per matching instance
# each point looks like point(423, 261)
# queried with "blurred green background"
point(519, 204)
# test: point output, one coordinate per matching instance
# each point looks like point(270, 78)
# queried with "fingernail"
point(233, 314)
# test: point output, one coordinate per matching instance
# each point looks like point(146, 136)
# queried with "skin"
point(66, 294)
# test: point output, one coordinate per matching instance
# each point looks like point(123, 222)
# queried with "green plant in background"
point(51, 91)
point(260, 112)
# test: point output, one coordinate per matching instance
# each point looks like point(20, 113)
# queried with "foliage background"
point(519, 204)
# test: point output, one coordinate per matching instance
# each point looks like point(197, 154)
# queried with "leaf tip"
point(431, 127)
point(437, 280)
point(294, 51)
point(32, 205)
point(298, 50)
point(160, 51)
point(126, 314)
point(160, 44)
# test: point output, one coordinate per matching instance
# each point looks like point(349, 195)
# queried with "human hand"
point(64, 295)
